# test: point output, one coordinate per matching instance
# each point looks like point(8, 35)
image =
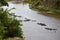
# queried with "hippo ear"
point(3, 3)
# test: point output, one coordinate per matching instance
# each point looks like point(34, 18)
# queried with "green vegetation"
point(52, 6)
point(9, 25)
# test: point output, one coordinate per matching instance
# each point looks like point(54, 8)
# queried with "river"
point(33, 31)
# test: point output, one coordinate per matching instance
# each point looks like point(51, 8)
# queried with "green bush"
point(9, 25)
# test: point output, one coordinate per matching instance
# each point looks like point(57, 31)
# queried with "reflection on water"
point(33, 31)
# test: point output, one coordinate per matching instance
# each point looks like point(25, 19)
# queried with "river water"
point(33, 31)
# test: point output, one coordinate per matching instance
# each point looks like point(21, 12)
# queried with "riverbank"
point(50, 7)
point(42, 10)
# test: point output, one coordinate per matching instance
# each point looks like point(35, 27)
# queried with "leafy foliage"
point(9, 25)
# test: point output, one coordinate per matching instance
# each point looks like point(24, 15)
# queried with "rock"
point(42, 24)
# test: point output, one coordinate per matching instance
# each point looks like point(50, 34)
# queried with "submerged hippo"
point(50, 29)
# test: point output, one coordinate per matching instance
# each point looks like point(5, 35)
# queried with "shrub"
point(9, 25)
